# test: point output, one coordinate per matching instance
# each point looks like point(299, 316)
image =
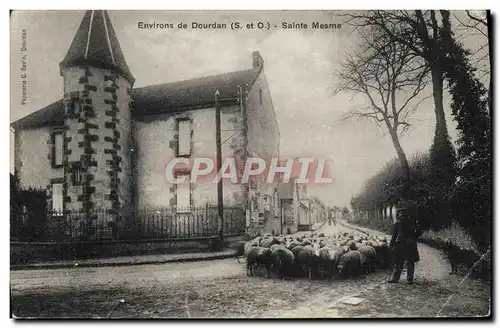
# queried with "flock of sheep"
point(316, 255)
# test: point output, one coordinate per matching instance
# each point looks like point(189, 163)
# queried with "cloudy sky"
point(299, 66)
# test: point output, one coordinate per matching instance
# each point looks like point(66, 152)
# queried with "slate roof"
point(95, 44)
point(49, 115)
point(161, 98)
point(186, 94)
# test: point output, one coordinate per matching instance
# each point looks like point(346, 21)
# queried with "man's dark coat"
point(404, 238)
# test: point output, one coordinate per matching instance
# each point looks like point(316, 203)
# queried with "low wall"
point(33, 252)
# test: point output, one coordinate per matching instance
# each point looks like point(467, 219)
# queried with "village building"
point(106, 144)
point(299, 211)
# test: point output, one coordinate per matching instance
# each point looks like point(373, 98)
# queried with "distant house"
point(304, 208)
point(106, 144)
point(289, 208)
point(318, 210)
point(299, 210)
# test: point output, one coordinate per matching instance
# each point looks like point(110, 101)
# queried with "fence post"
point(170, 223)
point(162, 217)
point(197, 231)
point(154, 222)
point(205, 221)
point(69, 218)
point(174, 220)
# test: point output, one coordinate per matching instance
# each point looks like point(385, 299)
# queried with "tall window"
point(260, 96)
point(77, 175)
point(57, 197)
point(184, 128)
point(74, 107)
point(184, 196)
point(57, 150)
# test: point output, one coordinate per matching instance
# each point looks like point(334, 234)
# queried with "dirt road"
point(221, 288)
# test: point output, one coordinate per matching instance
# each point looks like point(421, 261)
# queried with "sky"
point(299, 66)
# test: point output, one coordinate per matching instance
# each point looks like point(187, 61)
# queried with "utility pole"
point(220, 199)
point(298, 202)
point(282, 215)
point(242, 92)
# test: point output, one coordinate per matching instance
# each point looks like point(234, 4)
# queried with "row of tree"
point(402, 55)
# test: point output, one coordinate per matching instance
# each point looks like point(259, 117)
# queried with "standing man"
point(404, 244)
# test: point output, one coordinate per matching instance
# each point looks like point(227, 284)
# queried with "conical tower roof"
point(96, 44)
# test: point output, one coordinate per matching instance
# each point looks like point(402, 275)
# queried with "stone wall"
point(263, 132)
point(24, 253)
point(263, 142)
point(98, 137)
point(157, 140)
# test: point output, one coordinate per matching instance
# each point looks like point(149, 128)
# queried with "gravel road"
point(221, 288)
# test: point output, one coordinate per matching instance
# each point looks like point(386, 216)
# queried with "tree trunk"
point(401, 154)
point(490, 57)
point(441, 132)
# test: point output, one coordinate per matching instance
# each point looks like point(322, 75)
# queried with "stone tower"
point(97, 88)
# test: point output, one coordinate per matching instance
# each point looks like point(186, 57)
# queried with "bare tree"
point(474, 24)
point(475, 21)
point(418, 31)
point(390, 77)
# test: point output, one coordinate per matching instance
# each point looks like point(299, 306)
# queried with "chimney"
point(257, 61)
